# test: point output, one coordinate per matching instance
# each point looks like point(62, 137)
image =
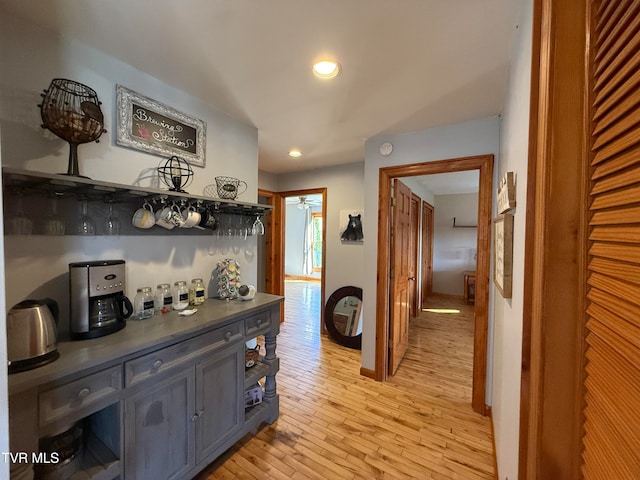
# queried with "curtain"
point(307, 253)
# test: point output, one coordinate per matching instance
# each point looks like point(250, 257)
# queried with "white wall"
point(507, 350)
point(231, 149)
point(345, 191)
point(476, 137)
point(267, 181)
point(36, 266)
point(454, 249)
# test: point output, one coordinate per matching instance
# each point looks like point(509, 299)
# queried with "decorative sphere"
point(176, 174)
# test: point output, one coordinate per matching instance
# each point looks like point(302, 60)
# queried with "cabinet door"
point(219, 401)
point(159, 429)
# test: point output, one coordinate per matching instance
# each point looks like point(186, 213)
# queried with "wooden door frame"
point(282, 224)
point(274, 269)
point(426, 286)
point(414, 255)
point(554, 303)
point(483, 163)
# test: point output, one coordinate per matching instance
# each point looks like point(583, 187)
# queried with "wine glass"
point(20, 224)
point(230, 230)
point(111, 223)
point(241, 231)
point(258, 226)
point(249, 230)
point(54, 224)
point(85, 225)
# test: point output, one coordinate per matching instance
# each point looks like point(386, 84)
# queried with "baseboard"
point(489, 413)
point(365, 372)
point(302, 277)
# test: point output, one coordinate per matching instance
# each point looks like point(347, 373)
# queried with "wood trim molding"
point(288, 276)
point(426, 287)
point(555, 246)
point(483, 163)
point(416, 205)
point(365, 372)
point(382, 284)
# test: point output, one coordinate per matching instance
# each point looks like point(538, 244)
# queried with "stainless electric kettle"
point(32, 334)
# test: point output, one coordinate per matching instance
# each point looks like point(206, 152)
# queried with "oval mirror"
point(343, 316)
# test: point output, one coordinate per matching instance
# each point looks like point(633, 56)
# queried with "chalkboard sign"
point(150, 126)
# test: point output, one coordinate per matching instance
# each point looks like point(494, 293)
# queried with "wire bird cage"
point(71, 110)
point(176, 174)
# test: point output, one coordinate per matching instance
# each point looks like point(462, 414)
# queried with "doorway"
point(312, 205)
point(484, 164)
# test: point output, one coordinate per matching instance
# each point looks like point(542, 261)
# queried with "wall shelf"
point(34, 192)
point(29, 182)
point(462, 226)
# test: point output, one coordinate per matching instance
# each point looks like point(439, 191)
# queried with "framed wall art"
point(506, 193)
point(147, 125)
point(503, 253)
point(351, 226)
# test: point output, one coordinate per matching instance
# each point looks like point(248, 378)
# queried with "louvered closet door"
point(612, 382)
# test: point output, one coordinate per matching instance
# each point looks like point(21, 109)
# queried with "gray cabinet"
point(219, 404)
point(162, 399)
point(159, 429)
point(182, 420)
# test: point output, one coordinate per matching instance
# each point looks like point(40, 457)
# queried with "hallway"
point(335, 423)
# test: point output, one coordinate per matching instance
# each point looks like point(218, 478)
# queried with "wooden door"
point(273, 249)
point(400, 273)
point(426, 280)
point(612, 384)
point(414, 246)
point(580, 369)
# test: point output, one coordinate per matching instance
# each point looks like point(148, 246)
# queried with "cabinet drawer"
point(142, 368)
point(258, 323)
point(79, 394)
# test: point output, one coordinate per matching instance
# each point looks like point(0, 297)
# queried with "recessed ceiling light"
point(295, 153)
point(326, 69)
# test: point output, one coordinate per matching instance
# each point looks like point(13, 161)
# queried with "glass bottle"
point(164, 297)
point(143, 303)
point(196, 292)
point(181, 295)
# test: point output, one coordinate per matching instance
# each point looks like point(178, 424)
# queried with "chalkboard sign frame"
point(147, 125)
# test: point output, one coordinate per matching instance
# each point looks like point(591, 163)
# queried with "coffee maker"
point(98, 305)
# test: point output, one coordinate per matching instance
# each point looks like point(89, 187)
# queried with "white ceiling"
point(311, 199)
point(452, 182)
point(407, 65)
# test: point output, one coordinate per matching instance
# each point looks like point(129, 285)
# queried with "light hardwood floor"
point(336, 424)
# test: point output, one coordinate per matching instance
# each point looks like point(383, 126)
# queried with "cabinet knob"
point(259, 321)
point(228, 335)
point(156, 365)
point(84, 393)
point(194, 419)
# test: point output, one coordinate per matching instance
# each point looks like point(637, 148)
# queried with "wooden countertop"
point(137, 337)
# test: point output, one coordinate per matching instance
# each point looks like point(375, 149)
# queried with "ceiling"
point(407, 65)
point(313, 200)
point(452, 182)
